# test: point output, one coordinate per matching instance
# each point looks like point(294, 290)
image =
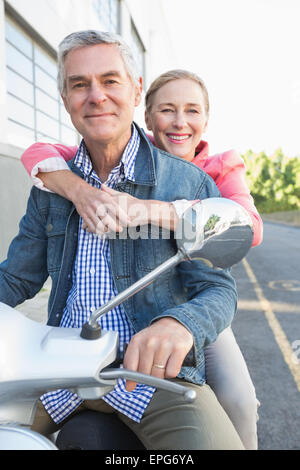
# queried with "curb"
point(278, 222)
point(290, 218)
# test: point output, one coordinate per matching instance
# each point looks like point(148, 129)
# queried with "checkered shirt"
point(93, 286)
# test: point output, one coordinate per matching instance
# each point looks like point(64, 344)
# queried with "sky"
point(248, 54)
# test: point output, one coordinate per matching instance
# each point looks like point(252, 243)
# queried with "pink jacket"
point(226, 169)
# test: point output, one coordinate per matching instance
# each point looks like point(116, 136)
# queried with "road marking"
point(279, 307)
point(274, 324)
point(285, 285)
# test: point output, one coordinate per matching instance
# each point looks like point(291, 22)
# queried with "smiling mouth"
point(99, 115)
point(178, 138)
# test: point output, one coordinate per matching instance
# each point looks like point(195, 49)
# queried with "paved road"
point(267, 328)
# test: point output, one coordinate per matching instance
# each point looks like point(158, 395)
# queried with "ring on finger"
point(159, 366)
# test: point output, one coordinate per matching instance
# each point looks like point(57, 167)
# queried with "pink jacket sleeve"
point(228, 171)
point(39, 152)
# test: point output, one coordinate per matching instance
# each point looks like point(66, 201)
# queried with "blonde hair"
point(175, 75)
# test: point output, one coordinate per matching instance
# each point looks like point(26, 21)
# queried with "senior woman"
point(177, 111)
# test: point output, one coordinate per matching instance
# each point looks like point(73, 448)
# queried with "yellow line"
point(274, 324)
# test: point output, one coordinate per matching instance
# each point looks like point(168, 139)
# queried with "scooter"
point(36, 358)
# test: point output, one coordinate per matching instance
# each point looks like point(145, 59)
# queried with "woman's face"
point(177, 117)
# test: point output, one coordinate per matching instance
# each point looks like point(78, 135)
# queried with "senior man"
point(186, 308)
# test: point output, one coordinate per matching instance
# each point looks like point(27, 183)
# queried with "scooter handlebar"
point(113, 374)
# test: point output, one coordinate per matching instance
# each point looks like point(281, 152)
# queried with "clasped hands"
point(107, 210)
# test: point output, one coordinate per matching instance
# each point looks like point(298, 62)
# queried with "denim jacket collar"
point(144, 171)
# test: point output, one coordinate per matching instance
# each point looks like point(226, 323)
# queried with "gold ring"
point(159, 366)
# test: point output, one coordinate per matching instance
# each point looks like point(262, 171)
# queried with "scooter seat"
point(94, 430)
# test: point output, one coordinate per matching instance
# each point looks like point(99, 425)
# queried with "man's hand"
point(158, 350)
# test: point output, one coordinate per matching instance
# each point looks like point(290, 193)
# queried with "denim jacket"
point(201, 298)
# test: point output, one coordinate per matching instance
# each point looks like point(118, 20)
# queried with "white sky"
point(248, 53)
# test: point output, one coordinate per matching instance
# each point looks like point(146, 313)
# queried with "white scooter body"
point(36, 358)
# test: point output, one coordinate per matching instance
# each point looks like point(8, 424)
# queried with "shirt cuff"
point(45, 166)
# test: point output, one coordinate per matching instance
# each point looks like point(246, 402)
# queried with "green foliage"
point(211, 223)
point(274, 181)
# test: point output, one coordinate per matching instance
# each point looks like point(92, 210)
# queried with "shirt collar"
point(123, 171)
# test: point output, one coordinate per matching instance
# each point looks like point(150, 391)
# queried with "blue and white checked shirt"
point(92, 287)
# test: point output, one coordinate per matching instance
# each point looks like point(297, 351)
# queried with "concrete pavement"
point(36, 308)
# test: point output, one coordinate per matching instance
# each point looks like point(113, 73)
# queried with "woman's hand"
point(107, 210)
point(101, 212)
point(145, 211)
point(89, 201)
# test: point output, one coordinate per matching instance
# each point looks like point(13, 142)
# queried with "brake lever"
point(109, 373)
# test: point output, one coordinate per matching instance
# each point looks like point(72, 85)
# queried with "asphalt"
point(267, 329)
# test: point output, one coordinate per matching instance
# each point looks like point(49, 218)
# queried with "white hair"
point(91, 38)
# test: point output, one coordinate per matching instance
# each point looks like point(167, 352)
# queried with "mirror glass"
point(217, 231)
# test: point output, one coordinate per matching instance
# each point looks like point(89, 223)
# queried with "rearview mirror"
point(217, 231)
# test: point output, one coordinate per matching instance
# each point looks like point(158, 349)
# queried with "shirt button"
point(93, 309)
point(49, 227)
point(92, 271)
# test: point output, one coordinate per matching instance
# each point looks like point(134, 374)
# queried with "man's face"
point(100, 96)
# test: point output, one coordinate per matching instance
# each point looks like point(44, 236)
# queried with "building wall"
point(14, 190)
point(47, 22)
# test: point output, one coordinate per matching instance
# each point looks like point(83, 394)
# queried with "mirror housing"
point(217, 231)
